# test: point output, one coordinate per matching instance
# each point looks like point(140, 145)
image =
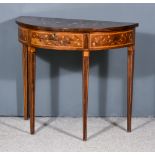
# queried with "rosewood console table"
point(71, 34)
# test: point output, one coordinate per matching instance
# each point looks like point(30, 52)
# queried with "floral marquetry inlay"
point(113, 39)
point(57, 39)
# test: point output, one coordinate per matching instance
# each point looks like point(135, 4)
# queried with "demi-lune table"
point(86, 36)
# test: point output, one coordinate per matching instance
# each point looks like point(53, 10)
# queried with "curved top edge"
point(72, 25)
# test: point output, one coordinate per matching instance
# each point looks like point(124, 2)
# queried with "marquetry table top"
point(77, 25)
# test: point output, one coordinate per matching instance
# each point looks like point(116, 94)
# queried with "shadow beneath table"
point(48, 124)
point(117, 124)
point(14, 126)
point(144, 124)
point(45, 124)
point(111, 125)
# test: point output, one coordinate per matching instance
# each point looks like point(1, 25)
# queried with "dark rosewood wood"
point(25, 79)
point(130, 85)
point(32, 70)
point(85, 74)
point(72, 34)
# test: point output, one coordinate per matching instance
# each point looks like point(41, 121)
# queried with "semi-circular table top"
point(72, 25)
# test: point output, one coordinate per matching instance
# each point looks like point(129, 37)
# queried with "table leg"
point(32, 63)
point(85, 75)
point(130, 86)
point(25, 81)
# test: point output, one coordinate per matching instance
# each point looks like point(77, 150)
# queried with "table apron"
point(76, 41)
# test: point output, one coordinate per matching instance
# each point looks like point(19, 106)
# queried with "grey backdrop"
point(58, 77)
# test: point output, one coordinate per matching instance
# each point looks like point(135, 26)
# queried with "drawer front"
point(105, 40)
point(57, 40)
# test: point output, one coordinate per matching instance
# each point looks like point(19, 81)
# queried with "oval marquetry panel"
point(57, 40)
point(103, 40)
